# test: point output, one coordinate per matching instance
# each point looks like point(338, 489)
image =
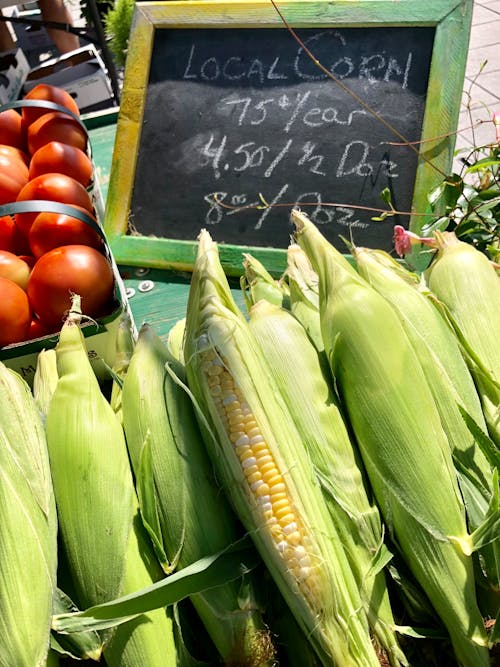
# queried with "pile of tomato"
point(46, 257)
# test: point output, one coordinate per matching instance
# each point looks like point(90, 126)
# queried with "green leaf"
point(485, 163)
point(78, 645)
point(445, 196)
point(485, 443)
point(440, 224)
point(205, 573)
point(489, 530)
point(385, 195)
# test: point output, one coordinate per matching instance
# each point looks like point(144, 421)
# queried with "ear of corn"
point(402, 443)
point(193, 515)
point(449, 379)
point(257, 283)
point(464, 280)
point(28, 528)
point(266, 471)
point(100, 534)
point(304, 293)
point(299, 372)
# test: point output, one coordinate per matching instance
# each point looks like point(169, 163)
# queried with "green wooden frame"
point(451, 20)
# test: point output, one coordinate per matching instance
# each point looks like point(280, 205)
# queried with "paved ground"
point(481, 95)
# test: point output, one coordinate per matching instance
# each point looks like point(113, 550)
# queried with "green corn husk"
point(45, 380)
point(28, 528)
point(189, 516)
point(257, 283)
point(175, 340)
point(304, 555)
point(450, 381)
point(104, 546)
point(299, 372)
point(462, 278)
point(124, 350)
point(403, 446)
point(304, 293)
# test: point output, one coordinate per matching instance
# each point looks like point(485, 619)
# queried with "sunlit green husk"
point(465, 281)
point(96, 504)
point(195, 518)
point(304, 293)
point(45, 380)
point(175, 339)
point(449, 379)
point(28, 528)
point(123, 353)
point(336, 624)
point(257, 283)
point(403, 445)
point(299, 373)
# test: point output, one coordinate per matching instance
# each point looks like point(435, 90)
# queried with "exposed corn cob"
point(194, 517)
point(449, 380)
point(28, 528)
point(266, 471)
point(100, 530)
point(466, 282)
point(403, 446)
point(299, 372)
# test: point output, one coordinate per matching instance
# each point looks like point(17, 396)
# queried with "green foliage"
point(469, 203)
point(117, 23)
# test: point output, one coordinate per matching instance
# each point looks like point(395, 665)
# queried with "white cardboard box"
point(14, 69)
point(81, 72)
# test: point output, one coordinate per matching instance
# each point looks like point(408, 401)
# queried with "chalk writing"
point(250, 126)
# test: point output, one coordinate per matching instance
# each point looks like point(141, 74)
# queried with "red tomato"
point(13, 152)
point(29, 259)
point(11, 237)
point(54, 187)
point(63, 159)
point(56, 126)
point(15, 313)
point(51, 230)
point(13, 178)
point(14, 268)
point(48, 93)
point(71, 269)
point(10, 128)
point(37, 329)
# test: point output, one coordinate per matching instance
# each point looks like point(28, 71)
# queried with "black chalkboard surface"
point(232, 113)
point(234, 117)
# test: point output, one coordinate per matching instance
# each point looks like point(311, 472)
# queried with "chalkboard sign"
point(238, 118)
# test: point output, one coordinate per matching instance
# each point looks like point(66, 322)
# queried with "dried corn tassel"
point(102, 537)
point(266, 471)
point(28, 528)
point(298, 368)
point(194, 517)
point(402, 443)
